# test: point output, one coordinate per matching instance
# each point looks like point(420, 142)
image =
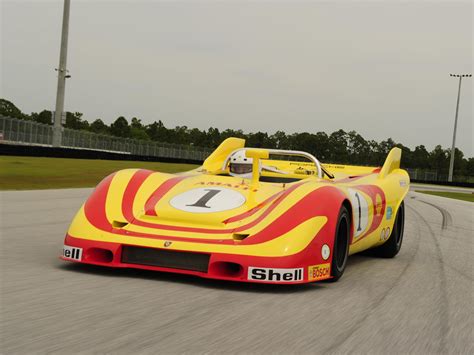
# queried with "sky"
point(380, 68)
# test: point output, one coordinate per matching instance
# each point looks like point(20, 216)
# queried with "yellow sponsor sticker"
point(319, 272)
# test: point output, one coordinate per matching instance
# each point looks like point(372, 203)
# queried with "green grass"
point(456, 195)
point(28, 173)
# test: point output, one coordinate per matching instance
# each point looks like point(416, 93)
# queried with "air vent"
point(165, 258)
point(239, 237)
point(119, 224)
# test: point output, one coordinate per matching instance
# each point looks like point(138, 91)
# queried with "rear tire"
point(392, 246)
point(341, 245)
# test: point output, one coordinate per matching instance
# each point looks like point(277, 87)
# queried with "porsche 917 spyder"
point(253, 215)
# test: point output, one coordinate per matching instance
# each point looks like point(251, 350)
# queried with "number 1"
point(205, 199)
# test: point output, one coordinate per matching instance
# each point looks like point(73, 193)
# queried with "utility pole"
point(62, 76)
point(453, 147)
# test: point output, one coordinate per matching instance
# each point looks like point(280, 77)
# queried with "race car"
point(247, 214)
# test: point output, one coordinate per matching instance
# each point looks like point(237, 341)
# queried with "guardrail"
point(13, 130)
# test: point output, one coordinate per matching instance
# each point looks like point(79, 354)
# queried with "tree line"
point(338, 147)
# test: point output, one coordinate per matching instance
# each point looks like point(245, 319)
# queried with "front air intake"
point(165, 258)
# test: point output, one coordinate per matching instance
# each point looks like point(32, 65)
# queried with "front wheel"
point(341, 244)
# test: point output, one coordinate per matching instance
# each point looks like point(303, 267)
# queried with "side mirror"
point(256, 155)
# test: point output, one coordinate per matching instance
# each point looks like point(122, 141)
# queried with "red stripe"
point(159, 193)
point(281, 195)
point(319, 202)
point(132, 188)
point(94, 208)
point(212, 231)
point(306, 208)
point(316, 203)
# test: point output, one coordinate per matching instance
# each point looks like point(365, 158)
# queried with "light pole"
point(62, 75)
point(453, 147)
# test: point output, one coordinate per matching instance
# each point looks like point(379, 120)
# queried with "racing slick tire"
point(341, 244)
point(392, 246)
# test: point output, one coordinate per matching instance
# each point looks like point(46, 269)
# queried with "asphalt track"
point(418, 303)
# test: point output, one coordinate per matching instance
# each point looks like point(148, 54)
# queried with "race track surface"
point(419, 303)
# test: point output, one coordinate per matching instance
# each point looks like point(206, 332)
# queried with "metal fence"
point(419, 174)
point(433, 175)
point(33, 133)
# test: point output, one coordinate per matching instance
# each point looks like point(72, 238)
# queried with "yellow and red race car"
point(253, 215)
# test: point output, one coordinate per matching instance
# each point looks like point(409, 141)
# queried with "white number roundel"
point(360, 212)
point(208, 200)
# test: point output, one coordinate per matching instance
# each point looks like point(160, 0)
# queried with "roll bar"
point(285, 152)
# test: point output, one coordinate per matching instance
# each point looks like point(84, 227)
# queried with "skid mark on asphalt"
point(444, 306)
point(377, 303)
point(447, 218)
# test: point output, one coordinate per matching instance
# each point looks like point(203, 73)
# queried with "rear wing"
point(391, 163)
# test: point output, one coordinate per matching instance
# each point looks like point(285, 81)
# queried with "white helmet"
point(240, 165)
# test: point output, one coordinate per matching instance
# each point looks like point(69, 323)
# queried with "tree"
point(213, 137)
point(136, 123)
point(459, 162)
point(8, 109)
point(303, 141)
point(439, 159)
point(421, 157)
point(280, 139)
point(157, 131)
point(180, 135)
point(75, 121)
point(259, 140)
point(470, 167)
point(357, 148)
point(45, 117)
point(137, 130)
point(98, 126)
point(120, 128)
point(338, 142)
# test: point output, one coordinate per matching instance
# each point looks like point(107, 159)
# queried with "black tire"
point(392, 246)
point(341, 244)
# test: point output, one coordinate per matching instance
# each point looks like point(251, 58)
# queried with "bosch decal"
point(319, 272)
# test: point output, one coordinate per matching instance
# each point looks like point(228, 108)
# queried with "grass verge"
point(456, 195)
point(29, 173)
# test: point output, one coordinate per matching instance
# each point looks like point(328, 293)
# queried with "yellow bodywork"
point(218, 234)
